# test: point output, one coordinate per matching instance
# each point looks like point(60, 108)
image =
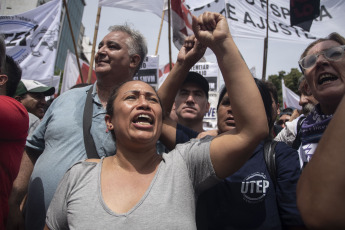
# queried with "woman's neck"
point(141, 162)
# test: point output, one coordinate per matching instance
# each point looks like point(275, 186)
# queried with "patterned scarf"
point(314, 126)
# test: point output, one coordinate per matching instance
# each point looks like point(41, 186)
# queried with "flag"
point(181, 22)
point(302, 13)
point(180, 15)
point(163, 73)
point(290, 99)
point(71, 74)
point(31, 39)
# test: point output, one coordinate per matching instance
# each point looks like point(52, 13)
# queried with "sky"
point(282, 56)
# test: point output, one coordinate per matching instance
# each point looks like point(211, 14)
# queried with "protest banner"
point(31, 39)
point(247, 19)
point(148, 71)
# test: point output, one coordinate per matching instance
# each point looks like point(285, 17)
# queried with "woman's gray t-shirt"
point(169, 202)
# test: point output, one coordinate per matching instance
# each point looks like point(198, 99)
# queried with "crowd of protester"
point(119, 155)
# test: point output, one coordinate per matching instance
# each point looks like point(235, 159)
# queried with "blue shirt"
point(248, 200)
point(60, 139)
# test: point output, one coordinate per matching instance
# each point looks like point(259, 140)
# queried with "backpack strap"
point(270, 159)
point(89, 143)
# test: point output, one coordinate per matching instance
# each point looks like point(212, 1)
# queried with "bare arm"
point(190, 53)
point(320, 189)
point(230, 151)
point(20, 188)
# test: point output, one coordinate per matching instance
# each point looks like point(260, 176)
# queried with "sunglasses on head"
point(331, 54)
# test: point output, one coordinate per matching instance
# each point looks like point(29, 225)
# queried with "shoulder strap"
point(297, 142)
point(270, 159)
point(90, 146)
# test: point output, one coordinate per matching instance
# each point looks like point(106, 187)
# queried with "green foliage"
point(290, 80)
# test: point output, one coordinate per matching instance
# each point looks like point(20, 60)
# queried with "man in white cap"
point(32, 95)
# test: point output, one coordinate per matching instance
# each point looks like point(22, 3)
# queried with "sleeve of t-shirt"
point(57, 212)
point(196, 155)
point(184, 134)
point(288, 172)
point(14, 120)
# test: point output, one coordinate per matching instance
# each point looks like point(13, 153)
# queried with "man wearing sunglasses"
point(323, 65)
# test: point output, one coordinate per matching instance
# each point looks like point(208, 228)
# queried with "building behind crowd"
point(65, 42)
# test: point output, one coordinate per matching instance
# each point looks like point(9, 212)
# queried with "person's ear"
point(107, 119)
point(3, 79)
point(135, 61)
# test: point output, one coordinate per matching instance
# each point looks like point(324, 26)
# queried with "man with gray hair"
point(73, 127)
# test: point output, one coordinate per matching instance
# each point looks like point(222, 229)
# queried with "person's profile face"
point(34, 103)
point(225, 118)
point(113, 57)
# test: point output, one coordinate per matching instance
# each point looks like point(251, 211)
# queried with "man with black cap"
point(32, 95)
point(191, 101)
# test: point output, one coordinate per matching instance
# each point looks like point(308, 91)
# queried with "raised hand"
point(191, 52)
point(211, 29)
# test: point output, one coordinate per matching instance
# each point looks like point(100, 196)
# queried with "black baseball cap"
point(198, 79)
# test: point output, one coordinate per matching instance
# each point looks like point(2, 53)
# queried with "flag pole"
point(169, 34)
point(265, 47)
point(94, 45)
point(160, 31)
point(74, 44)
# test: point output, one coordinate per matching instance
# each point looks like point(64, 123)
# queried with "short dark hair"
point(14, 74)
point(196, 78)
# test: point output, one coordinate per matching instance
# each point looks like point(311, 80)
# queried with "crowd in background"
point(149, 162)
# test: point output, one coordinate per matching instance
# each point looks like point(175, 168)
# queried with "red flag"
point(181, 22)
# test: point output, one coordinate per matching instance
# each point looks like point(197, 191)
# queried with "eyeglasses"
point(331, 54)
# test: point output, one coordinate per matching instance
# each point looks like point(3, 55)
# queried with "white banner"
point(193, 4)
point(153, 6)
point(31, 39)
point(290, 99)
point(247, 18)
